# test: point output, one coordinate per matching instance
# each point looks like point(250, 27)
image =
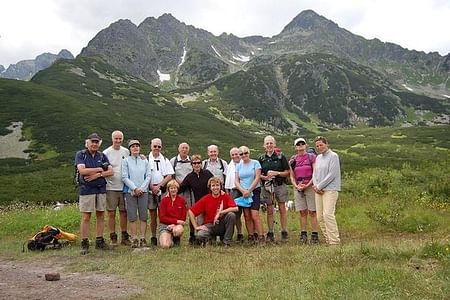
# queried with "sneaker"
point(125, 240)
point(135, 243)
point(153, 241)
point(84, 247)
point(270, 237)
point(101, 245)
point(113, 238)
point(176, 241)
point(303, 238)
point(240, 238)
point(284, 236)
point(192, 240)
point(142, 243)
point(226, 244)
point(314, 238)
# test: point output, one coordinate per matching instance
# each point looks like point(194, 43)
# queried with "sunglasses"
point(196, 162)
point(300, 143)
point(157, 146)
point(243, 153)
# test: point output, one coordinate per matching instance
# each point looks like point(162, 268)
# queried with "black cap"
point(94, 137)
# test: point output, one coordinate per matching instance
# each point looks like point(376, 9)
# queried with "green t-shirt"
point(275, 162)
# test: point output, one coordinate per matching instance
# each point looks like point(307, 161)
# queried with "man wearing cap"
point(161, 175)
point(93, 167)
point(114, 189)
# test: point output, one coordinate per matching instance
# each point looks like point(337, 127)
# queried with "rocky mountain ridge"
point(25, 69)
point(185, 52)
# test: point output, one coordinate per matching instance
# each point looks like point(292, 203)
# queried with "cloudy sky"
point(29, 27)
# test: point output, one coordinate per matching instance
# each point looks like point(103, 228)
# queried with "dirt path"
point(24, 280)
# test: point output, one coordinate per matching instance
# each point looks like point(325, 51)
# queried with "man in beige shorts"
point(93, 166)
point(114, 190)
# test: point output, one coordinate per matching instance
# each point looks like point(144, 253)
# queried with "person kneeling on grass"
point(172, 216)
point(218, 210)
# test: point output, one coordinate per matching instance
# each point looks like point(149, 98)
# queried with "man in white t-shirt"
point(114, 189)
point(161, 175)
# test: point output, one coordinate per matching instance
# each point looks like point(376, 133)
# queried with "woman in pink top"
point(172, 216)
point(302, 167)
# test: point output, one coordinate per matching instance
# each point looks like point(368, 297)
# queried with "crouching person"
point(172, 216)
point(218, 211)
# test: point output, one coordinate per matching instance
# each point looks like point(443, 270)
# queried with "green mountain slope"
point(290, 92)
point(64, 103)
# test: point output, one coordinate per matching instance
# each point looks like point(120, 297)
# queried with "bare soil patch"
point(11, 145)
point(26, 280)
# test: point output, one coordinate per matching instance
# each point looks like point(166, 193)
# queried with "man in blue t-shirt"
point(93, 167)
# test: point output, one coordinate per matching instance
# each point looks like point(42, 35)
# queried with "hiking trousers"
point(224, 228)
point(326, 208)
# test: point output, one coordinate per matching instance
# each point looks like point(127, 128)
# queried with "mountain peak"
point(168, 18)
point(308, 20)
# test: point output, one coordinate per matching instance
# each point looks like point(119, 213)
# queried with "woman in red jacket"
point(172, 216)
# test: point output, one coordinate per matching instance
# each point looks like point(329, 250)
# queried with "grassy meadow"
point(393, 215)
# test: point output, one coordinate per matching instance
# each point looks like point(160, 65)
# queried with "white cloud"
point(29, 28)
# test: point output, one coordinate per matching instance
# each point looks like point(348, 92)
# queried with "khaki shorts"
point(153, 200)
point(91, 203)
point(280, 191)
point(114, 200)
point(305, 200)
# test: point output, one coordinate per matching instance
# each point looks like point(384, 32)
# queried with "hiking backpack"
point(48, 236)
point(293, 161)
point(205, 164)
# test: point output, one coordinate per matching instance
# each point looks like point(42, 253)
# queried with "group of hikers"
point(209, 194)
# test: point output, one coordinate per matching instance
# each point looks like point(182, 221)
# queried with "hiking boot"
point(100, 244)
point(303, 238)
point(226, 244)
point(251, 239)
point(135, 243)
point(261, 240)
point(125, 240)
point(153, 241)
point(240, 238)
point(142, 243)
point(113, 238)
point(284, 236)
point(314, 238)
point(176, 241)
point(270, 237)
point(84, 247)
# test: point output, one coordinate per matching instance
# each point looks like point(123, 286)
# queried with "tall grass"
point(395, 246)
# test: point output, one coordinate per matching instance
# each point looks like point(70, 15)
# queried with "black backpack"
point(48, 236)
point(205, 164)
